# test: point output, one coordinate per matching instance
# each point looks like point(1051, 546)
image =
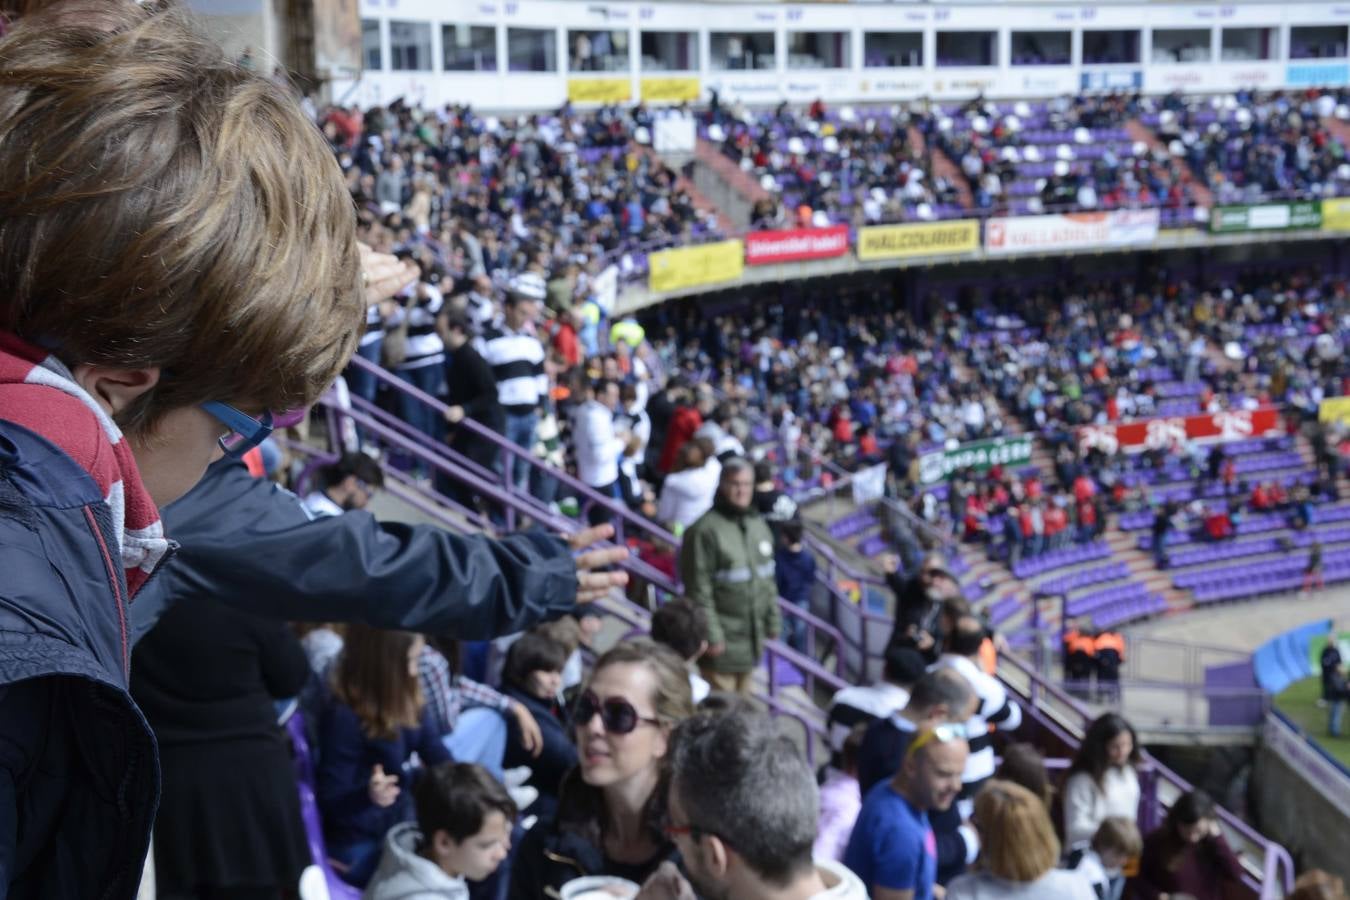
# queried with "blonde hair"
point(163, 207)
point(1017, 839)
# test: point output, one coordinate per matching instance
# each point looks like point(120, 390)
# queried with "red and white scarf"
point(38, 392)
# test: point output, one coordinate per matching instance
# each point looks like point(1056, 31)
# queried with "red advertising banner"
point(765, 247)
point(1169, 433)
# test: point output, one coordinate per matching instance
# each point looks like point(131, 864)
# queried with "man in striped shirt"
point(517, 360)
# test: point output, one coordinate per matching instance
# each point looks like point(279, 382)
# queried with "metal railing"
point(1068, 718)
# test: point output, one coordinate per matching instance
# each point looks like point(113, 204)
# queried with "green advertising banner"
point(979, 455)
point(1265, 217)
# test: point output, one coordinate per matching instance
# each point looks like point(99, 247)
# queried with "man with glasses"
point(743, 808)
point(347, 484)
point(893, 848)
point(918, 602)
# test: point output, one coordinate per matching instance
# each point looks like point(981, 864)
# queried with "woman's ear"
point(114, 389)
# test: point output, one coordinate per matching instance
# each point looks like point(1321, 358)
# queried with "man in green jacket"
point(726, 563)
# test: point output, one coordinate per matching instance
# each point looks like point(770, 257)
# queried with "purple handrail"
point(407, 439)
point(621, 514)
point(1278, 867)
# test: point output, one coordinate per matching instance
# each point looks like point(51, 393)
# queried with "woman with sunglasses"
point(610, 807)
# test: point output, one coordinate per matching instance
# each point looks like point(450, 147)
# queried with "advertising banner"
point(765, 247)
point(1170, 433)
point(684, 267)
point(1265, 217)
point(1111, 79)
point(1336, 214)
point(1118, 228)
point(674, 89)
point(1334, 409)
point(599, 90)
point(981, 456)
point(929, 239)
point(1315, 74)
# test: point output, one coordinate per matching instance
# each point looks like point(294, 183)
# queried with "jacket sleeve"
point(527, 877)
point(1080, 809)
point(697, 558)
point(251, 544)
point(342, 781)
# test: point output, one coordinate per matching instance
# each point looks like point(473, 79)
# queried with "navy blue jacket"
point(250, 544)
point(554, 761)
point(346, 757)
point(79, 775)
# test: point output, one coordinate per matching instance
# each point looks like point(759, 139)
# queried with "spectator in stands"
point(252, 304)
point(471, 393)
point(1023, 764)
point(532, 676)
point(893, 849)
point(683, 627)
point(918, 602)
point(421, 358)
point(611, 807)
point(1187, 854)
point(685, 419)
point(1312, 570)
point(691, 487)
point(865, 704)
point(516, 356)
point(1318, 885)
point(462, 833)
point(229, 813)
point(1102, 862)
point(1080, 657)
point(995, 710)
point(344, 485)
point(840, 798)
point(727, 566)
point(1102, 779)
point(775, 506)
point(598, 445)
point(1018, 851)
point(742, 811)
point(371, 726)
point(939, 697)
point(795, 577)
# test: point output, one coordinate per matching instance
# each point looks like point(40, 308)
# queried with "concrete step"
point(943, 166)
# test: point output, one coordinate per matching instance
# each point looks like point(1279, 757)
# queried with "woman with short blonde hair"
point(1018, 851)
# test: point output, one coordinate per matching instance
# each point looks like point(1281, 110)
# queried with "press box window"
point(893, 49)
point(1110, 47)
point(410, 46)
point(1317, 42)
point(1250, 44)
point(1181, 45)
point(741, 50)
point(967, 48)
point(597, 51)
point(532, 49)
point(371, 52)
point(818, 50)
point(469, 48)
point(669, 51)
point(1041, 48)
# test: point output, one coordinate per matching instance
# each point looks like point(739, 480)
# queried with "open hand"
point(591, 584)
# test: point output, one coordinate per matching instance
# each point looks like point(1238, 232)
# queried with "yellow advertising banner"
point(1334, 409)
point(599, 90)
point(685, 267)
point(1336, 214)
point(927, 239)
point(670, 90)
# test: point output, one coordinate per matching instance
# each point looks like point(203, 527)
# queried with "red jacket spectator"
point(683, 423)
point(1218, 526)
point(1056, 520)
point(1083, 488)
point(1261, 499)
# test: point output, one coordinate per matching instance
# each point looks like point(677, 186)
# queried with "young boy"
point(1116, 842)
point(683, 627)
point(462, 833)
point(178, 263)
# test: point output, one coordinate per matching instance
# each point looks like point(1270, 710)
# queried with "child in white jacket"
point(462, 832)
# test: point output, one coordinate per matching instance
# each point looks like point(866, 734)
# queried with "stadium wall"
point(1301, 798)
point(800, 53)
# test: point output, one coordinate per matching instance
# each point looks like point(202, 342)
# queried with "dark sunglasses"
point(616, 714)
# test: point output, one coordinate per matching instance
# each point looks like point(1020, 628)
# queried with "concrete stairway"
point(942, 166)
point(1141, 132)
